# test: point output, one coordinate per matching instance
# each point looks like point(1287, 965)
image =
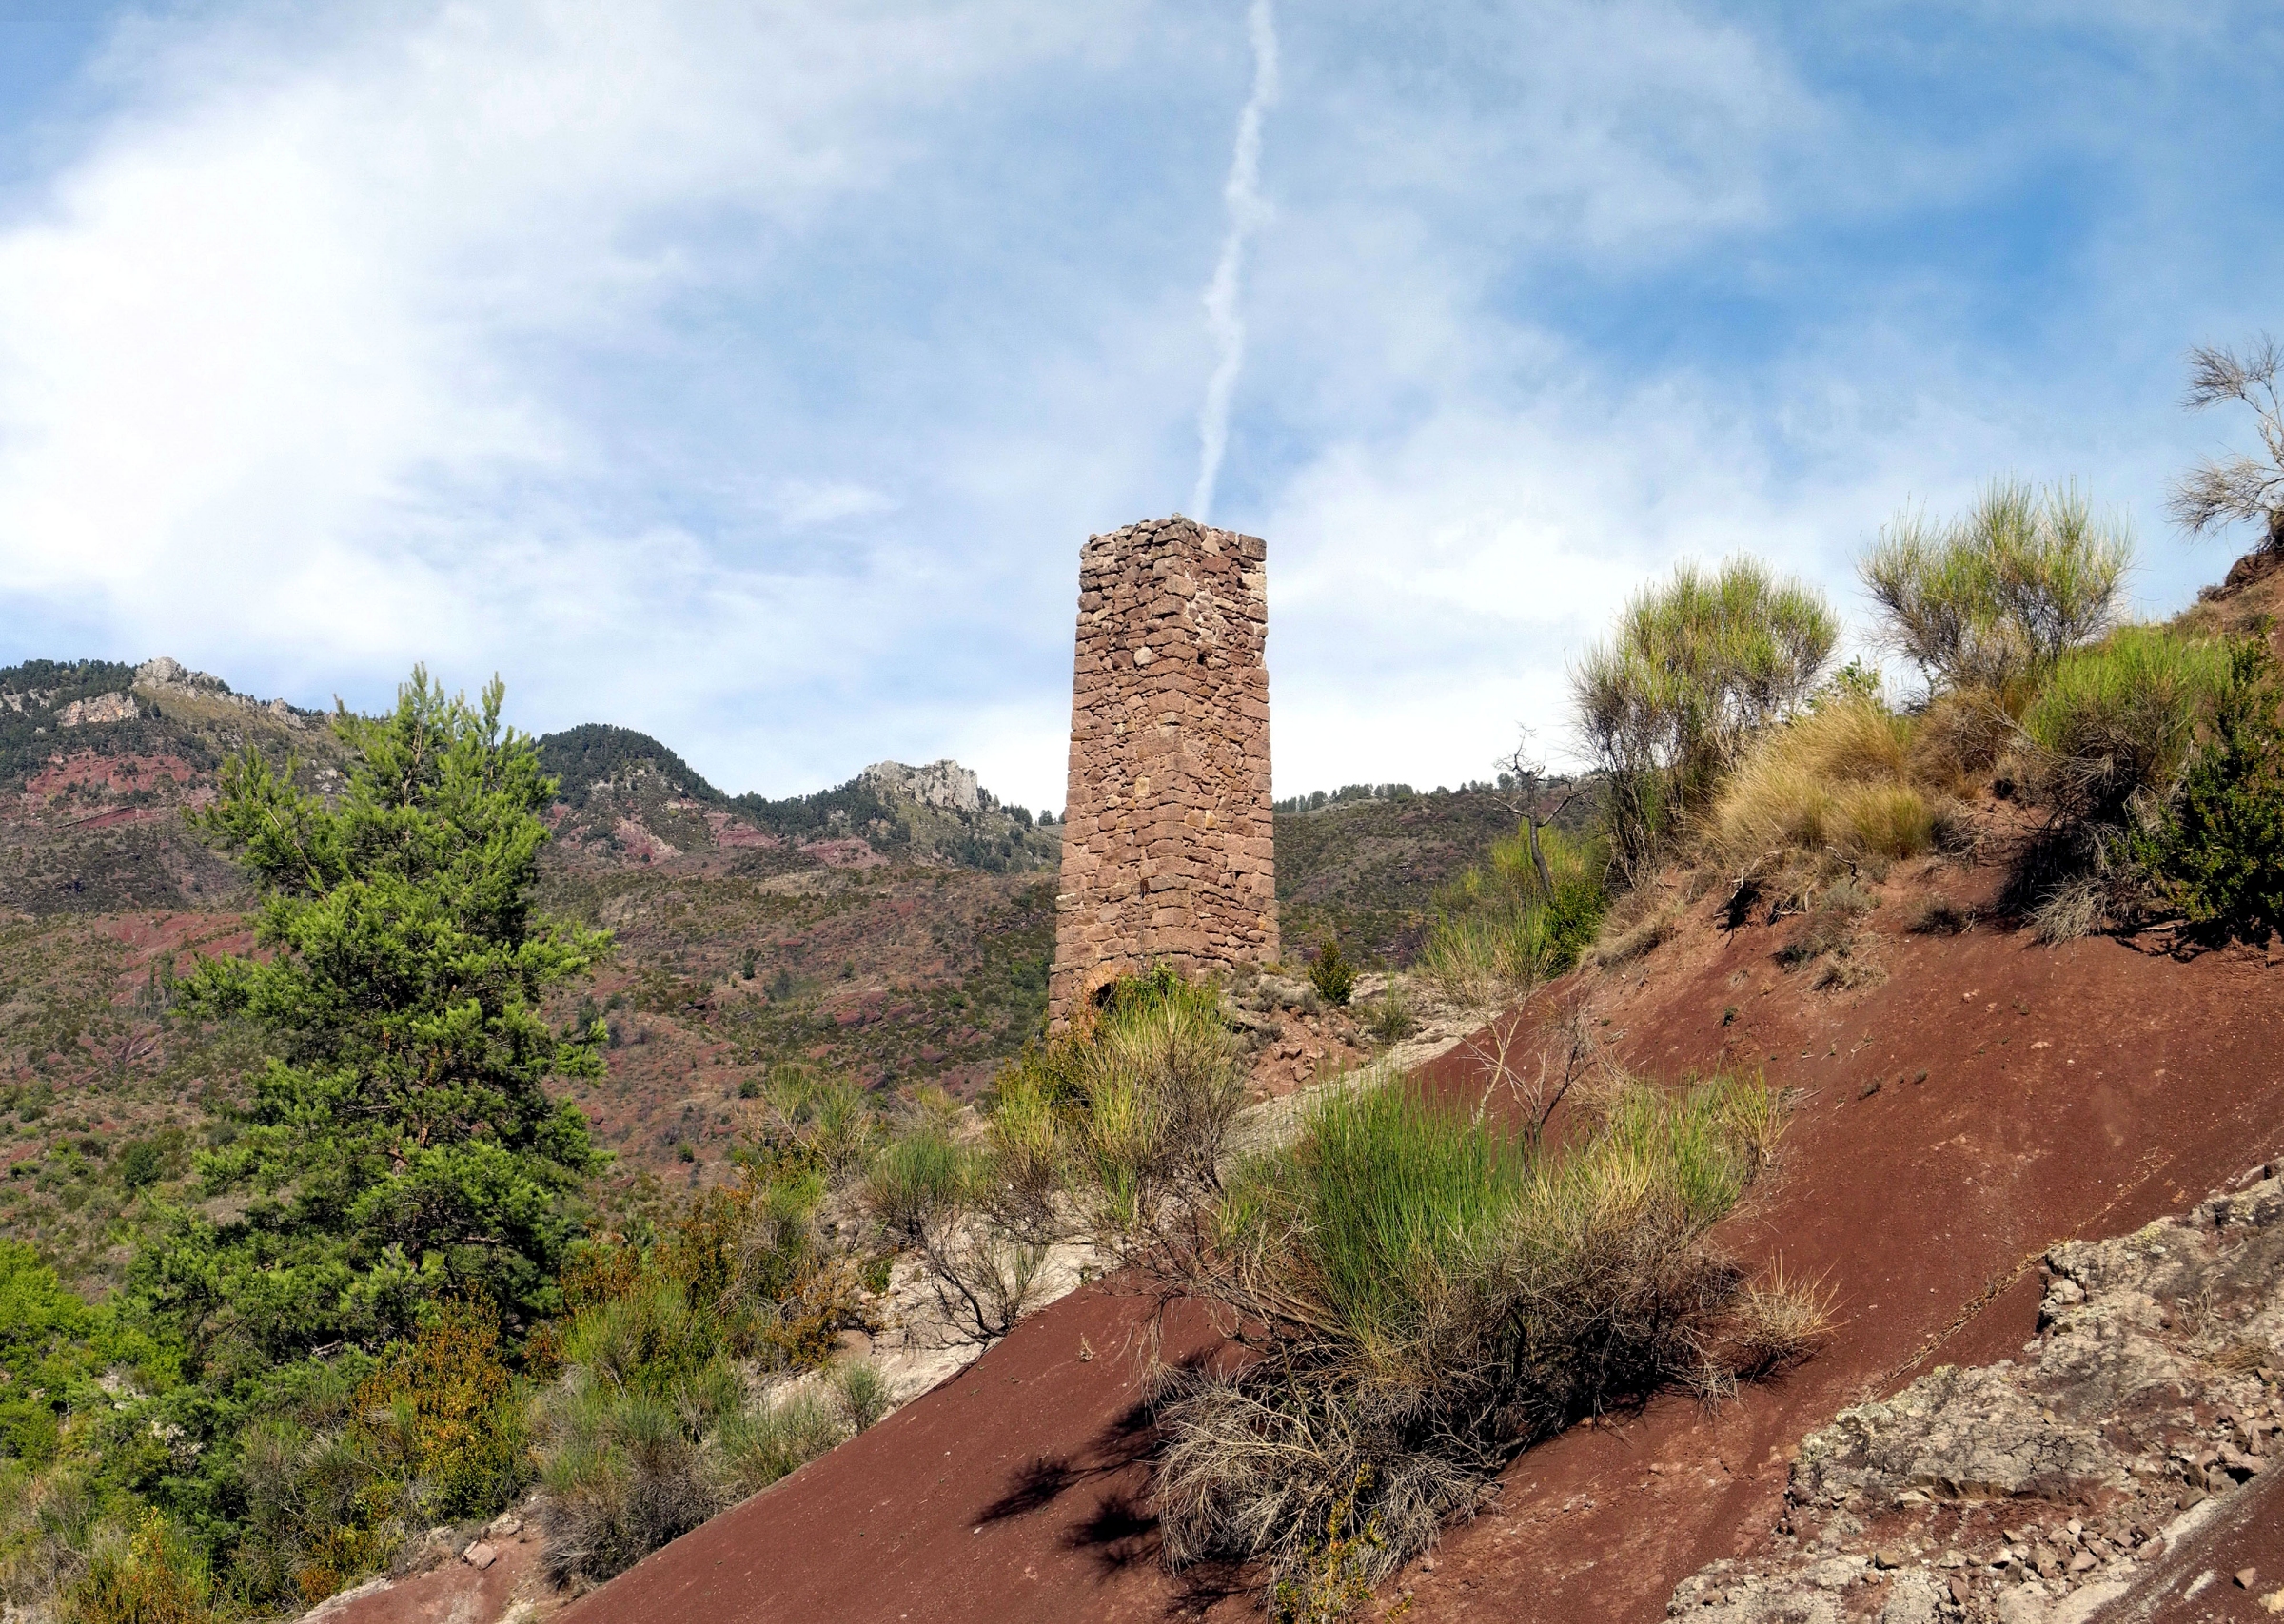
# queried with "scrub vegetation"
point(1421, 1286)
point(372, 1297)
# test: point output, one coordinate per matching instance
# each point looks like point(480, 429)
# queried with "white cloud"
point(284, 348)
point(751, 374)
point(802, 504)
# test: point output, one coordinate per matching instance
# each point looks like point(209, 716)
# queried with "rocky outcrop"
point(944, 785)
point(103, 708)
point(163, 675)
point(2045, 1491)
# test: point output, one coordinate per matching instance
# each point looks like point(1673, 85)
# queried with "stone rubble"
point(1167, 835)
point(2033, 1492)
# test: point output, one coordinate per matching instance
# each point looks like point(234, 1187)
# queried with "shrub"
point(1697, 665)
point(2217, 849)
point(1433, 1290)
point(1830, 929)
point(917, 1175)
point(141, 1162)
point(441, 1409)
point(764, 1442)
point(1831, 780)
point(2071, 908)
point(626, 1471)
point(153, 1578)
point(1497, 931)
point(1331, 975)
point(2120, 720)
point(862, 1394)
point(1329, 1581)
point(1999, 592)
point(643, 1439)
point(1389, 1018)
point(1641, 924)
point(754, 1263)
point(807, 1123)
point(663, 1414)
point(1110, 1128)
point(1960, 737)
point(2241, 489)
point(1128, 1111)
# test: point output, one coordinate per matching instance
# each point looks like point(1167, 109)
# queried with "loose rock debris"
point(2036, 1492)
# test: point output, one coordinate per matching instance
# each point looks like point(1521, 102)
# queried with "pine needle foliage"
point(401, 1145)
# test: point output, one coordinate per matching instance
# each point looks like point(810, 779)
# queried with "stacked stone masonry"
point(1167, 836)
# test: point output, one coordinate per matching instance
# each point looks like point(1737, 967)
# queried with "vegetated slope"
point(103, 892)
point(1972, 1100)
point(1366, 870)
point(859, 930)
point(624, 793)
point(96, 760)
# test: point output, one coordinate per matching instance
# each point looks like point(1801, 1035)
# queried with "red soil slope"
point(2078, 1091)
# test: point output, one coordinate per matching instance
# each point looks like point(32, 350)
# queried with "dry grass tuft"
point(2246, 1354)
point(1941, 916)
point(1848, 971)
point(1433, 1291)
point(1643, 920)
point(2073, 908)
point(1959, 741)
point(1775, 1322)
point(1646, 937)
point(1831, 938)
point(1833, 780)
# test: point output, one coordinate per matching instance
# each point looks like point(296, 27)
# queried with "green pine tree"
point(400, 1145)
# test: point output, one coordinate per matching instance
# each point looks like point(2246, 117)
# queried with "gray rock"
point(2139, 1336)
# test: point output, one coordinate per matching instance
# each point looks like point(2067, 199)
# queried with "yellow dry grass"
point(1834, 779)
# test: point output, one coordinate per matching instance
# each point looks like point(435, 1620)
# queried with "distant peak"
point(165, 673)
point(943, 783)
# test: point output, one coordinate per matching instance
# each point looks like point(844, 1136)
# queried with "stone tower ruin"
point(1166, 840)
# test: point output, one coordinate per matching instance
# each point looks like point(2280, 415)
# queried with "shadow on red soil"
point(1989, 1097)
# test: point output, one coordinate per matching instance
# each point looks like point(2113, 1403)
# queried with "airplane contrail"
point(1242, 197)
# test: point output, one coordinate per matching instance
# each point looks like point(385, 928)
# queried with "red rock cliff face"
point(1167, 844)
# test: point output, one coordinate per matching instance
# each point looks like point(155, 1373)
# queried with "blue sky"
point(750, 374)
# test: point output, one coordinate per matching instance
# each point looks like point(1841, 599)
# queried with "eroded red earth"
point(1988, 1097)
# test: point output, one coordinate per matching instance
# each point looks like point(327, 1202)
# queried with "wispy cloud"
point(752, 375)
point(1246, 210)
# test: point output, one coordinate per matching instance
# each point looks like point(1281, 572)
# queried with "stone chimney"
point(1167, 848)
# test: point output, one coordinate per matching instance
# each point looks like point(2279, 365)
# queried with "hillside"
point(2021, 1215)
point(1367, 869)
point(1954, 1121)
point(898, 928)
